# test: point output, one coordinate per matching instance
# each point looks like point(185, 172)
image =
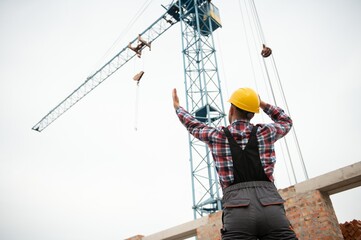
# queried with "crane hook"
point(138, 76)
point(266, 51)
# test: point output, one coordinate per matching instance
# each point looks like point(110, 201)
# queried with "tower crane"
point(198, 19)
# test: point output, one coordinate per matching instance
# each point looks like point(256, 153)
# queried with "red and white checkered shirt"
point(267, 135)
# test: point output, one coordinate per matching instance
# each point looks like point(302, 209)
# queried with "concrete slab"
point(183, 231)
point(333, 182)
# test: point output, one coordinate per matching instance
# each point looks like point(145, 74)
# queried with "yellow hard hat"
point(246, 99)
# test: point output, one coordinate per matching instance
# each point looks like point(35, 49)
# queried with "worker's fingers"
point(174, 94)
point(175, 98)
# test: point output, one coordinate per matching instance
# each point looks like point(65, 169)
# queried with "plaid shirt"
point(267, 135)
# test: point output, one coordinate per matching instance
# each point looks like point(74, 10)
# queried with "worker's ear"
point(231, 110)
point(250, 115)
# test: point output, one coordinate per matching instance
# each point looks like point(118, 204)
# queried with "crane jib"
point(149, 35)
point(187, 9)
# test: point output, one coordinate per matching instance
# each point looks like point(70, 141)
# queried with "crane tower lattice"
point(198, 18)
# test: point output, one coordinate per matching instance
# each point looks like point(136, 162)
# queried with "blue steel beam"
point(199, 18)
point(203, 97)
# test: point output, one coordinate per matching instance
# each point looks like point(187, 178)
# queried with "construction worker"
point(244, 157)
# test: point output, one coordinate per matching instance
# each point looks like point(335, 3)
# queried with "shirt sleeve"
point(198, 129)
point(281, 125)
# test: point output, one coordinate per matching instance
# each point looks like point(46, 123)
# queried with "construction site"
point(308, 203)
point(308, 207)
point(120, 163)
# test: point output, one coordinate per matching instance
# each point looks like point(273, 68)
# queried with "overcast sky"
point(91, 175)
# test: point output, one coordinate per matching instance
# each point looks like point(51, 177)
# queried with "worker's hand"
point(175, 99)
point(262, 104)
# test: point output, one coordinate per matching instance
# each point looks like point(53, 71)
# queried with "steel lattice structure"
point(204, 98)
point(199, 18)
point(149, 35)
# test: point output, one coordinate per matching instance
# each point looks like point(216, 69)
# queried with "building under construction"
point(308, 207)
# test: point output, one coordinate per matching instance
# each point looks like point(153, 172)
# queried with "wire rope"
point(136, 112)
point(262, 39)
point(260, 64)
point(248, 45)
point(278, 80)
point(257, 21)
point(132, 22)
point(223, 67)
point(258, 36)
point(293, 128)
point(138, 67)
point(125, 31)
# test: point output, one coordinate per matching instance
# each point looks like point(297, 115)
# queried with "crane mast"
point(199, 18)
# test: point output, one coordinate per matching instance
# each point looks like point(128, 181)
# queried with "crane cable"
point(136, 107)
point(131, 23)
point(282, 93)
point(125, 31)
point(246, 34)
point(253, 70)
point(263, 41)
point(261, 37)
point(137, 78)
point(284, 147)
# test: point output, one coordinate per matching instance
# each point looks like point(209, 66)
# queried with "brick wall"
point(311, 214)
point(211, 231)
point(309, 208)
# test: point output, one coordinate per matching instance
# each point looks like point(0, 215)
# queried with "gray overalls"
point(252, 207)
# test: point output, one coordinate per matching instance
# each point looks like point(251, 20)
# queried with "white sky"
point(90, 175)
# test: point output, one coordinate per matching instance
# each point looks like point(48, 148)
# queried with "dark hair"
point(243, 113)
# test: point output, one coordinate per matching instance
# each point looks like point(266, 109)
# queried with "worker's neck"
point(238, 118)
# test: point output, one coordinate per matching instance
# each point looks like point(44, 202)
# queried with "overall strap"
point(246, 162)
